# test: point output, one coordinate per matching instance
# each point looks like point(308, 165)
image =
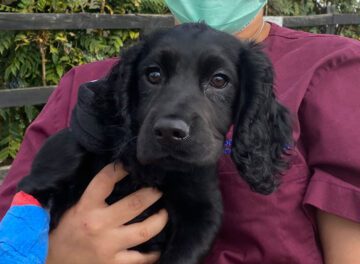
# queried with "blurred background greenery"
point(40, 58)
point(316, 7)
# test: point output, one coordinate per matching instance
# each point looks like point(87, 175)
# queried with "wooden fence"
point(146, 23)
point(17, 21)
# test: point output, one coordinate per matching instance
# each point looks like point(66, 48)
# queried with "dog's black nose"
point(169, 130)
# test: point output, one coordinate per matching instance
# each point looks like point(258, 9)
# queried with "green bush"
point(315, 7)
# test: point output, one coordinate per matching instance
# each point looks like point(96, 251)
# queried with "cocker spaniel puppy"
point(164, 111)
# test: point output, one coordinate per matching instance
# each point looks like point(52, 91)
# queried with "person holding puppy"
point(313, 217)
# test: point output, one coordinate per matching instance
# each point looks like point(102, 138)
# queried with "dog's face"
point(177, 93)
point(187, 83)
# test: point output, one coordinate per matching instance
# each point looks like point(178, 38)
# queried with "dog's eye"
point(219, 81)
point(153, 75)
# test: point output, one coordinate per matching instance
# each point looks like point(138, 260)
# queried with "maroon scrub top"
point(318, 79)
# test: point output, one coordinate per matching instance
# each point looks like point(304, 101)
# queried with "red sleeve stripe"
point(22, 198)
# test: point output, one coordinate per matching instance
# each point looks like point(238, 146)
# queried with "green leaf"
point(31, 112)
point(21, 37)
point(4, 141)
point(4, 154)
point(5, 8)
point(61, 38)
point(54, 50)
point(59, 70)
point(3, 114)
point(55, 58)
point(134, 35)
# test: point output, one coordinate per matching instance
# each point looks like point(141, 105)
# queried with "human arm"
point(24, 231)
point(340, 238)
point(330, 126)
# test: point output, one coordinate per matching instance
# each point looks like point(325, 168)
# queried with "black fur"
point(199, 81)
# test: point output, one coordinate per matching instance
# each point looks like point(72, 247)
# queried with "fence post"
point(331, 28)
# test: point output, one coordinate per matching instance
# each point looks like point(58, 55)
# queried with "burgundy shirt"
point(318, 79)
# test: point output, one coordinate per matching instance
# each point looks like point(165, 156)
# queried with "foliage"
point(313, 7)
point(14, 121)
point(153, 7)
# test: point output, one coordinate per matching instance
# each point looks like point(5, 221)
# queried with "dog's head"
point(175, 95)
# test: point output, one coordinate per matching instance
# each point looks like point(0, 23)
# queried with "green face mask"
point(226, 15)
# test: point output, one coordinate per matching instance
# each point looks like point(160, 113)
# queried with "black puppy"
point(163, 112)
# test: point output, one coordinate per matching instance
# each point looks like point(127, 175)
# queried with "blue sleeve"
point(24, 235)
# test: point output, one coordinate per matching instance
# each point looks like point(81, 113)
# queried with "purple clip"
point(227, 151)
point(227, 146)
point(287, 147)
point(228, 142)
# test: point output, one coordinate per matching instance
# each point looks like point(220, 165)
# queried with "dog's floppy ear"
point(262, 127)
point(102, 115)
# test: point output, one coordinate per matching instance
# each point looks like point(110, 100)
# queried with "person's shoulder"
point(312, 51)
point(323, 43)
point(67, 90)
point(97, 67)
point(88, 72)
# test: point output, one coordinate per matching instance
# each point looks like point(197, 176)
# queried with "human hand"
point(94, 232)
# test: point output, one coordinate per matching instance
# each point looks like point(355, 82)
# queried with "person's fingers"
point(102, 185)
point(131, 206)
point(135, 234)
point(135, 257)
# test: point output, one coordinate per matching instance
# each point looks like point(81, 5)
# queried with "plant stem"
point(43, 63)
point(102, 9)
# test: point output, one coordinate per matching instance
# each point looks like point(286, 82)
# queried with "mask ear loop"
point(257, 33)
